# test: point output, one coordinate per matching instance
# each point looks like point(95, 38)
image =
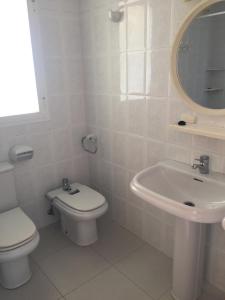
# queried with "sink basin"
point(195, 200)
point(179, 190)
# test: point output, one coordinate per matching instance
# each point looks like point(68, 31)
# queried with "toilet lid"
point(86, 200)
point(15, 228)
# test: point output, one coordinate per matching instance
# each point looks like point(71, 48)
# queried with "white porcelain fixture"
point(79, 209)
point(18, 234)
point(195, 200)
point(214, 132)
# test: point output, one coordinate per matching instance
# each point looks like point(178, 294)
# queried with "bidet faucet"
point(66, 184)
point(203, 164)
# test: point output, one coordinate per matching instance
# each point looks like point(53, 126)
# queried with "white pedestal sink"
point(196, 200)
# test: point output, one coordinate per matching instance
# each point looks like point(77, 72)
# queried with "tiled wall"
point(56, 142)
point(130, 102)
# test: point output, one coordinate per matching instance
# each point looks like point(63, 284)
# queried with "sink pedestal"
point(188, 268)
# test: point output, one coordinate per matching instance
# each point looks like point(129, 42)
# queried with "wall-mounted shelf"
point(215, 70)
point(202, 130)
point(213, 90)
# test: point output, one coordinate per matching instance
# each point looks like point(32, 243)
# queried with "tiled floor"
point(118, 267)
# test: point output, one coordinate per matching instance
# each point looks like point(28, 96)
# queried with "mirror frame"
point(174, 66)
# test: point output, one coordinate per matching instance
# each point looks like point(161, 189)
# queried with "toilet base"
point(82, 233)
point(15, 273)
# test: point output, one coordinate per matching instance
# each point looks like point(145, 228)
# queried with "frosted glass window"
point(18, 89)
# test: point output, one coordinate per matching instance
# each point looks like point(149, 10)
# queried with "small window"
point(21, 93)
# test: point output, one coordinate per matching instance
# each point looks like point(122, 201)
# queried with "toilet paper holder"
point(90, 143)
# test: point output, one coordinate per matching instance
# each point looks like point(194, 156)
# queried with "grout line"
point(112, 263)
point(87, 281)
point(48, 279)
point(164, 294)
point(63, 295)
point(43, 272)
point(51, 254)
point(135, 283)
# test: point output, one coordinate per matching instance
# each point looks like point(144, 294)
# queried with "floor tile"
point(37, 288)
point(167, 296)
point(209, 293)
point(71, 267)
point(109, 285)
point(149, 269)
point(115, 242)
point(212, 293)
point(51, 241)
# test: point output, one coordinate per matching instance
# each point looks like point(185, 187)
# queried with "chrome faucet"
point(66, 184)
point(203, 164)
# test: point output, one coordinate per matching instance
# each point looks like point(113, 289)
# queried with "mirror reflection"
point(201, 58)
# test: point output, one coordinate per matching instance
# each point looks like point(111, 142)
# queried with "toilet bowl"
point(79, 208)
point(18, 234)
point(18, 238)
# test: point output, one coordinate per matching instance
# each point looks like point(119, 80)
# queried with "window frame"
point(38, 58)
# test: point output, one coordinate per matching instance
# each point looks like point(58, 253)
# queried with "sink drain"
point(189, 204)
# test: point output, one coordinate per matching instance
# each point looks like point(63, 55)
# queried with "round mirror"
point(198, 60)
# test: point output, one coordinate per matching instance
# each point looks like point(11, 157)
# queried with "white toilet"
point(18, 234)
point(79, 208)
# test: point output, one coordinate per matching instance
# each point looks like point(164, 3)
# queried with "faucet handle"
point(66, 184)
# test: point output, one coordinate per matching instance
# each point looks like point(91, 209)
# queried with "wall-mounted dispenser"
point(20, 152)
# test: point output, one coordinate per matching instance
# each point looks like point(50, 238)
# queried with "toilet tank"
point(7, 187)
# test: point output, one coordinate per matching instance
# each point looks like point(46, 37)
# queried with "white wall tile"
point(157, 119)
point(59, 111)
point(136, 152)
point(133, 57)
point(134, 220)
point(120, 111)
point(74, 76)
point(105, 144)
point(159, 24)
point(137, 117)
point(136, 26)
point(51, 38)
point(119, 211)
point(101, 36)
point(48, 4)
point(159, 64)
point(43, 149)
point(155, 152)
point(136, 73)
point(119, 149)
point(55, 77)
point(152, 231)
point(120, 182)
point(70, 35)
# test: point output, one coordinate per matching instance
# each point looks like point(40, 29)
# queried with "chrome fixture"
point(115, 16)
point(66, 184)
point(90, 143)
point(203, 164)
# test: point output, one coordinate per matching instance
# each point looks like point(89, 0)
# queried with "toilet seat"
point(86, 200)
point(17, 229)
